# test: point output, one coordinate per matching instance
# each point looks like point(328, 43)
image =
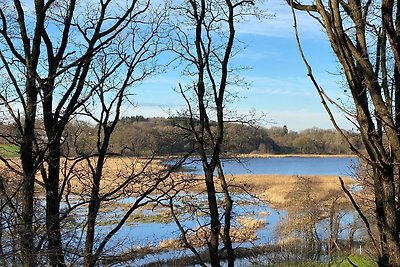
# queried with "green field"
point(9, 150)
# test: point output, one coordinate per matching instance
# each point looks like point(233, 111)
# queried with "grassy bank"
point(9, 150)
point(350, 261)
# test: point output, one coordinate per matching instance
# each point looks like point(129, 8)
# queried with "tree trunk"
point(55, 250)
point(387, 220)
point(2, 219)
point(28, 186)
point(94, 204)
point(227, 219)
point(214, 220)
point(91, 223)
point(27, 245)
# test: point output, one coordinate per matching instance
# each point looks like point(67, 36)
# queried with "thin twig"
point(321, 92)
point(359, 211)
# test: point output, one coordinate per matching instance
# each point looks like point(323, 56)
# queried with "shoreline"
point(230, 156)
point(295, 156)
point(249, 156)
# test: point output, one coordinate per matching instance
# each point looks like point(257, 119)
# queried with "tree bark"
point(53, 226)
point(29, 172)
point(228, 202)
point(215, 224)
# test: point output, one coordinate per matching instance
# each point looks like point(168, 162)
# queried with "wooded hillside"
point(141, 136)
point(138, 136)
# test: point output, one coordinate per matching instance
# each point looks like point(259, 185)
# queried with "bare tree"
point(204, 39)
point(364, 36)
point(57, 58)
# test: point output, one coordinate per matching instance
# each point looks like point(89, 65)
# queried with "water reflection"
point(150, 234)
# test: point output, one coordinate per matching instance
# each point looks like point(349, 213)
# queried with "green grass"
point(9, 150)
point(358, 260)
point(140, 218)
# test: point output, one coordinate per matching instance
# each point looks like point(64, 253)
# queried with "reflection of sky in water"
point(150, 234)
point(138, 235)
point(144, 234)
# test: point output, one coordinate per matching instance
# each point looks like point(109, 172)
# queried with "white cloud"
point(300, 119)
point(281, 23)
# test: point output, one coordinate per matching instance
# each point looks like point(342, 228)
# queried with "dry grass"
point(116, 171)
point(245, 231)
point(275, 188)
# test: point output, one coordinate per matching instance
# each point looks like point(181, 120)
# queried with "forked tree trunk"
point(228, 203)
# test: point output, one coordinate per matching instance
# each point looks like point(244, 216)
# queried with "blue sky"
point(279, 85)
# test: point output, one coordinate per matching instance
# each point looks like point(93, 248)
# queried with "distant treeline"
point(165, 136)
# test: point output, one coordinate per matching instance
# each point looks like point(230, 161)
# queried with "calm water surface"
point(286, 166)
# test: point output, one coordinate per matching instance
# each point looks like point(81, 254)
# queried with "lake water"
point(285, 165)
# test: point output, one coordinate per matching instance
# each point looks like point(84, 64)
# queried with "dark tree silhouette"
point(59, 60)
point(207, 49)
point(364, 35)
